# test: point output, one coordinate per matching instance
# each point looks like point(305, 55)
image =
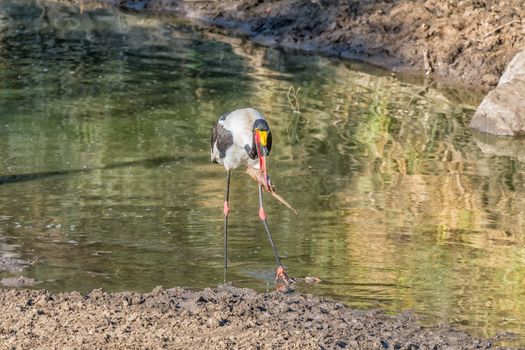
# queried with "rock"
point(515, 68)
point(502, 111)
point(311, 280)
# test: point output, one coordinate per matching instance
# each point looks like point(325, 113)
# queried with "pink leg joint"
point(262, 214)
point(226, 208)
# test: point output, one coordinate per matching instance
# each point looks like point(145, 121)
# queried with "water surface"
point(106, 181)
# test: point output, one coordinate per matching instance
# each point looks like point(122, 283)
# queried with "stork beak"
point(262, 164)
point(262, 148)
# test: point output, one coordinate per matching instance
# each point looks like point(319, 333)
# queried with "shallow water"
point(106, 181)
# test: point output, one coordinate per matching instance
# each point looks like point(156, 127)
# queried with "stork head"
point(262, 137)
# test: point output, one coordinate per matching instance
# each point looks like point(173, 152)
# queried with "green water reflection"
point(106, 182)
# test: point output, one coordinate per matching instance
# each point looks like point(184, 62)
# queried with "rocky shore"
point(221, 318)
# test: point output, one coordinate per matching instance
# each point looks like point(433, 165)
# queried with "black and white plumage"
point(233, 141)
point(243, 138)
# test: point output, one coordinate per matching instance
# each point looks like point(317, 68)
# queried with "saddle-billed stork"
point(243, 137)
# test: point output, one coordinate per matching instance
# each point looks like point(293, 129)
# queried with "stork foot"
point(281, 275)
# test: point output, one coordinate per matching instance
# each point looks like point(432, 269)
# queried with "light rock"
point(516, 67)
point(502, 111)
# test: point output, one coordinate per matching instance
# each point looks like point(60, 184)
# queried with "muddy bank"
point(458, 43)
point(221, 318)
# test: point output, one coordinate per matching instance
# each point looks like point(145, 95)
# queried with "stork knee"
point(262, 214)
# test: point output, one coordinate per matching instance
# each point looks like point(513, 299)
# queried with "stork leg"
point(226, 212)
point(281, 272)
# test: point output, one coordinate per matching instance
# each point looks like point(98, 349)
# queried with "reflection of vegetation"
point(398, 207)
point(415, 208)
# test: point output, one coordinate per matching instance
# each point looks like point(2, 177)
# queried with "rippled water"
point(105, 178)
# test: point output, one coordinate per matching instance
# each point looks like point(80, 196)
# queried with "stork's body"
point(233, 139)
point(243, 138)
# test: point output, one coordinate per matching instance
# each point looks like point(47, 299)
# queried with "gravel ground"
point(222, 318)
